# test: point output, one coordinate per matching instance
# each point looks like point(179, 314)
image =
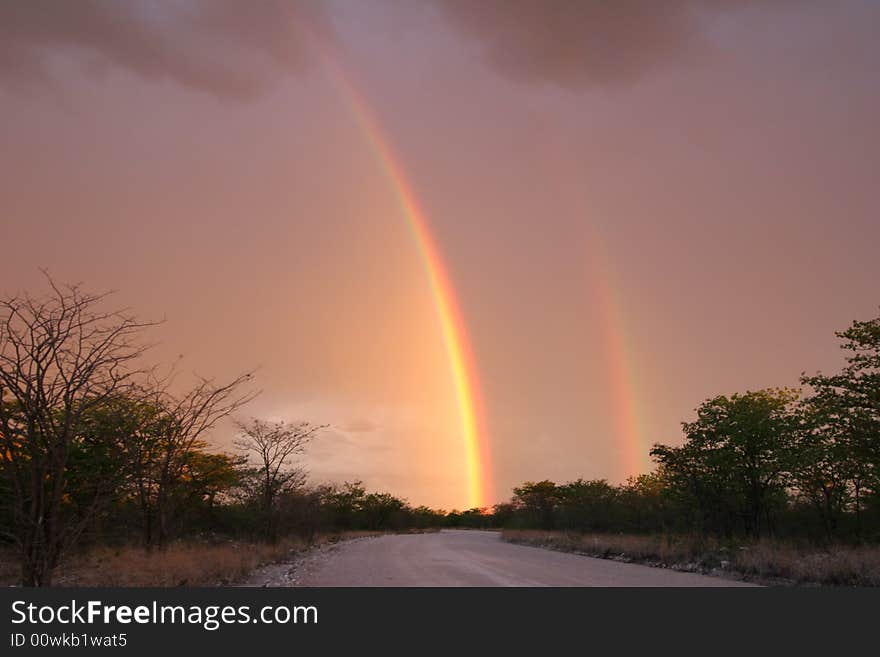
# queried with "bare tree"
point(274, 444)
point(61, 356)
point(160, 457)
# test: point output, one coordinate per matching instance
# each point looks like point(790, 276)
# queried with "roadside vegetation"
point(768, 561)
point(108, 472)
point(109, 475)
point(186, 562)
point(776, 483)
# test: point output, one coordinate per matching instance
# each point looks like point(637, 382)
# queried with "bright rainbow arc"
point(461, 359)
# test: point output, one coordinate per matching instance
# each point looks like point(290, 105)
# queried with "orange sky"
point(634, 211)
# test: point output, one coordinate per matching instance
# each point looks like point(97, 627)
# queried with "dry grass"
point(653, 549)
point(835, 566)
point(181, 564)
point(766, 561)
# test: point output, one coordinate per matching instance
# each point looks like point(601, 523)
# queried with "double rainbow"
point(622, 381)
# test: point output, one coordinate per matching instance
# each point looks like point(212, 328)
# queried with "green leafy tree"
point(840, 464)
point(736, 456)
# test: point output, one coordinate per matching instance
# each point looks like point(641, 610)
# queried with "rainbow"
point(459, 354)
point(623, 387)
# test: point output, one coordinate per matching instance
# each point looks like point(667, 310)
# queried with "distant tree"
point(274, 444)
point(587, 505)
point(504, 514)
point(539, 500)
point(344, 504)
point(423, 517)
point(382, 511)
point(646, 503)
point(62, 355)
point(302, 510)
point(474, 518)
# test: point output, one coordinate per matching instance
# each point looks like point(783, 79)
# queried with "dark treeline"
point(98, 450)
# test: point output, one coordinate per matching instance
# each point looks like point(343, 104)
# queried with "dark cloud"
point(583, 43)
point(228, 48)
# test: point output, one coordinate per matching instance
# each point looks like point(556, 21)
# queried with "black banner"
point(240, 621)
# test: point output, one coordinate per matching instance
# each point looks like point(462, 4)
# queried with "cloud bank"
point(228, 48)
point(238, 49)
point(587, 43)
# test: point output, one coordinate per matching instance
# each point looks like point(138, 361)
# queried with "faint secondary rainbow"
point(461, 359)
point(622, 381)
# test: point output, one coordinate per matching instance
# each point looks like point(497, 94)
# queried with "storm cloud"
point(222, 47)
point(587, 43)
point(238, 50)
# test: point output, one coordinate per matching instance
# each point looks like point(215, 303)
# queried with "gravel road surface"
point(463, 558)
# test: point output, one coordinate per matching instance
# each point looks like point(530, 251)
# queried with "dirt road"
point(463, 558)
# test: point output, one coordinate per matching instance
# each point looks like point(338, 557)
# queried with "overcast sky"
point(689, 187)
